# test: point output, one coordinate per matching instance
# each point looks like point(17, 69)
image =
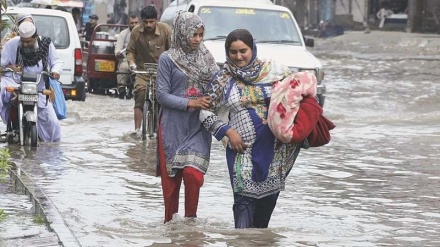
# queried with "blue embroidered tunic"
point(262, 169)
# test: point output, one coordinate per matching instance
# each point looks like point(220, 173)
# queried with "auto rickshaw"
point(99, 61)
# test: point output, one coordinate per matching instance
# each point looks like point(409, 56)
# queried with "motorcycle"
point(25, 95)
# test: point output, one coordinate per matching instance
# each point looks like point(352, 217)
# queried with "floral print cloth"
point(245, 94)
point(284, 104)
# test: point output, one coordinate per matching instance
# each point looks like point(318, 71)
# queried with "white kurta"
point(48, 126)
point(121, 43)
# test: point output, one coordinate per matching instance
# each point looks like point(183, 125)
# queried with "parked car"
point(60, 27)
point(274, 28)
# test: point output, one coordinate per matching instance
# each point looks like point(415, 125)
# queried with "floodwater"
point(375, 184)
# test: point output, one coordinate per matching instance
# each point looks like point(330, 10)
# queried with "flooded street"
point(375, 184)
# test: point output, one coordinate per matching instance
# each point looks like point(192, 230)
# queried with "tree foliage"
point(4, 163)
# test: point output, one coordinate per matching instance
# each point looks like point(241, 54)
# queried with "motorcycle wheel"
point(30, 135)
point(34, 135)
point(145, 118)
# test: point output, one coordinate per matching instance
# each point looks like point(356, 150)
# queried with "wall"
point(135, 6)
point(355, 8)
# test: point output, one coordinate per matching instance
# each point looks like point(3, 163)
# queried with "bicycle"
point(151, 107)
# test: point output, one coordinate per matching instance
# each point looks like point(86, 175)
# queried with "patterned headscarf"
point(256, 72)
point(32, 59)
point(199, 64)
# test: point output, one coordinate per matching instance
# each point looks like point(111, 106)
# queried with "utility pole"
point(350, 7)
point(366, 25)
point(411, 16)
point(307, 15)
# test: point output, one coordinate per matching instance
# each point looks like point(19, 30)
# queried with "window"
point(265, 25)
point(53, 27)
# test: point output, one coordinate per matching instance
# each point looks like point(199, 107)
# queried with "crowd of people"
point(192, 91)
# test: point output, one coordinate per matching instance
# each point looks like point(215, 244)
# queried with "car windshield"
point(267, 26)
point(50, 26)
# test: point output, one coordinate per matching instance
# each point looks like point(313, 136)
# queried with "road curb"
point(43, 207)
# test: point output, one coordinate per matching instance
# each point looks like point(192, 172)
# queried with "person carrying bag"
point(57, 99)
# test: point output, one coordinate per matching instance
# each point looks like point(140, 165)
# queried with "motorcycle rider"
point(31, 54)
point(121, 44)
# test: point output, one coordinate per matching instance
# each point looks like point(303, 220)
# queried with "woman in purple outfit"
point(183, 143)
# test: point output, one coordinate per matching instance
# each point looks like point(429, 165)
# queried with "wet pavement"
point(375, 184)
point(21, 227)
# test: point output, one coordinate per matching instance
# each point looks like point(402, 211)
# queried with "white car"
point(61, 28)
point(274, 28)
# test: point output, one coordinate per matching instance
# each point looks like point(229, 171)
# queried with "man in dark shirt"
point(88, 30)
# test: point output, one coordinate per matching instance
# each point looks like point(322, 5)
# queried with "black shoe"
point(121, 96)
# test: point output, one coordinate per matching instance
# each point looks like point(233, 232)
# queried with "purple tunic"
point(185, 141)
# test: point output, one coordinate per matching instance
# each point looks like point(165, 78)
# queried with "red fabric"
point(321, 133)
point(311, 124)
point(306, 119)
point(193, 180)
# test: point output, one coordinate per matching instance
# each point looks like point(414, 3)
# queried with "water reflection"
point(142, 157)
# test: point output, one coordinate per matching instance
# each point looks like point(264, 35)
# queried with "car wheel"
point(83, 96)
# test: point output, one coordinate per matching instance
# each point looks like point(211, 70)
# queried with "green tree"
point(4, 163)
point(4, 173)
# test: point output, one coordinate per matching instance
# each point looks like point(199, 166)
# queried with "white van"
point(61, 28)
point(274, 28)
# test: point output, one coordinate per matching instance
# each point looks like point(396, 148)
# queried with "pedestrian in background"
point(20, 18)
point(258, 163)
point(147, 42)
point(183, 143)
point(383, 13)
point(121, 55)
point(90, 26)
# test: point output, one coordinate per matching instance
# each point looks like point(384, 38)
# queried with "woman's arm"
point(163, 81)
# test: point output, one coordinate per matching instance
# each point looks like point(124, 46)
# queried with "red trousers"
point(192, 179)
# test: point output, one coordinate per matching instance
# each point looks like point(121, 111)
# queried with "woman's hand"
point(200, 103)
point(235, 141)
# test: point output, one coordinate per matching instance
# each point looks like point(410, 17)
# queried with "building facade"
point(416, 15)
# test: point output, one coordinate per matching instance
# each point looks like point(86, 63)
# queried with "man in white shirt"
point(383, 13)
point(121, 44)
point(31, 54)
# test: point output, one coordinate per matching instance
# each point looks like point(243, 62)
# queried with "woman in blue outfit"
point(258, 164)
